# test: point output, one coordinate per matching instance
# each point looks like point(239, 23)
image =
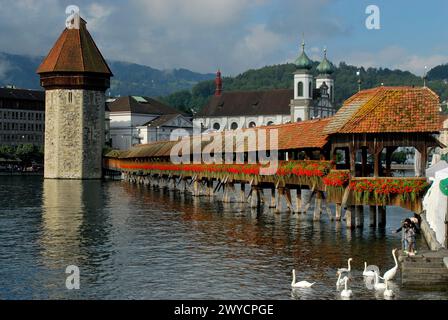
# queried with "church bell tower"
point(303, 88)
point(75, 77)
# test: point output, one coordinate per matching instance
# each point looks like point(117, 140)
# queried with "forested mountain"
point(129, 78)
point(280, 76)
point(188, 90)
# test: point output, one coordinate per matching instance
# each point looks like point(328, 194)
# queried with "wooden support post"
point(209, 190)
point(350, 217)
point(353, 161)
point(338, 212)
point(225, 193)
point(287, 194)
point(359, 216)
point(372, 211)
point(424, 160)
point(364, 161)
point(318, 206)
point(298, 207)
point(255, 201)
point(242, 197)
point(196, 191)
point(381, 216)
point(273, 203)
point(281, 194)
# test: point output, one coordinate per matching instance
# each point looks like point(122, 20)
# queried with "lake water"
point(134, 243)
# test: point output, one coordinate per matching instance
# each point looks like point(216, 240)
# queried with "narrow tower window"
point(310, 95)
point(300, 89)
point(70, 97)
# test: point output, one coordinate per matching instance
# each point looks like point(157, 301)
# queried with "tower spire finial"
point(303, 42)
point(325, 51)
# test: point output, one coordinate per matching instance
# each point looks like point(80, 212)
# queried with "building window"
point(310, 94)
point(331, 92)
point(252, 124)
point(300, 89)
point(270, 123)
point(216, 126)
point(70, 97)
point(234, 126)
point(299, 119)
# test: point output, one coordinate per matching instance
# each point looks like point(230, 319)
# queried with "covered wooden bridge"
point(319, 156)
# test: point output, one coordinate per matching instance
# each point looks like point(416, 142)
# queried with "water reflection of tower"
point(75, 228)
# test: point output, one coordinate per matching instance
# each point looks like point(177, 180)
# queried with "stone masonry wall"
point(74, 134)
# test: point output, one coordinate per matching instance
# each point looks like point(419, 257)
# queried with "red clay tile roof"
point(246, 103)
point(75, 51)
point(301, 135)
point(388, 110)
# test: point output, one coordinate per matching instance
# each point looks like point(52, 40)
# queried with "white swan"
point(346, 293)
point(388, 293)
point(378, 285)
point(371, 271)
point(389, 275)
point(340, 281)
point(341, 270)
point(300, 284)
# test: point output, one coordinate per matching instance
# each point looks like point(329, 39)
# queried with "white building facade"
point(130, 115)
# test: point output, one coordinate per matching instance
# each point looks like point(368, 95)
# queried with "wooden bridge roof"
point(301, 135)
point(388, 110)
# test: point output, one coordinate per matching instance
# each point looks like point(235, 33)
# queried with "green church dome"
point(303, 62)
point(325, 67)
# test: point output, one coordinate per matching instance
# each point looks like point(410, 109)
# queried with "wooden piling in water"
point(255, 200)
point(242, 195)
point(273, 202)
point(298, 201)
point(196, 190)
point(359, 221)
point(372, 212)
point(350, 217)
point(338, 216)
point(317, 206)
point(381, 217)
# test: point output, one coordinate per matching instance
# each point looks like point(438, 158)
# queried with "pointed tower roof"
point(325, 67)
point(303, 62)
point(75, 51)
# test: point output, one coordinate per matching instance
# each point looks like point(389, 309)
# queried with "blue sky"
point(236, 35)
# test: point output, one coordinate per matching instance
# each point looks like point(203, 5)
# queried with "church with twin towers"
point(312, 97)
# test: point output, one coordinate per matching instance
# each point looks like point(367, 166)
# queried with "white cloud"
point(5, 67)
point(395, 57)
point(200, 35)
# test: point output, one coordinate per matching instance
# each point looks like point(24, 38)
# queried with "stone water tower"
point(75, 77)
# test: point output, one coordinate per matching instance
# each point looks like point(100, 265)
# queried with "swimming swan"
point(341, 270)
point(300, 284)
point(378, 285)
point(389, 275)
point(346, 293)
point(370, 270)
point(388, 293)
